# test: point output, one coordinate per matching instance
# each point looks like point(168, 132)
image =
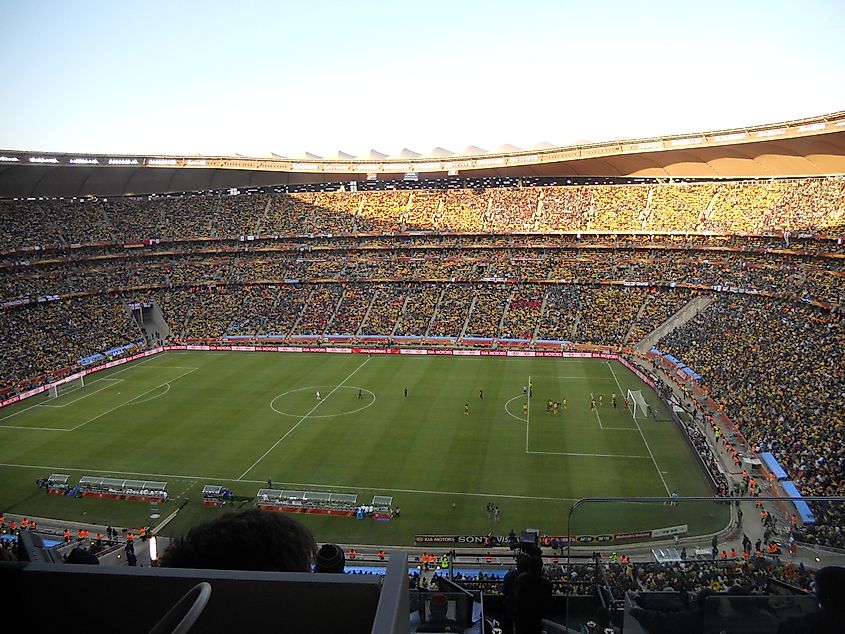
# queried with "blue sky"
point(258, 77)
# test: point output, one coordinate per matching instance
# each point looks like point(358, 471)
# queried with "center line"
point(299, 422)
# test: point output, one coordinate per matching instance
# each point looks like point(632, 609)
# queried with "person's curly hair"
point(246, 540)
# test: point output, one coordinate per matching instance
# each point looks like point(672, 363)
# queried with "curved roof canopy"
point(806, 147)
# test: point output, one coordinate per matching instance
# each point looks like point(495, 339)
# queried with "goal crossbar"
point(637, 404)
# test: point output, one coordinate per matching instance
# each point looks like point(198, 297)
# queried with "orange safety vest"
point(724, 554)
point(24, 523)
point(143, 532)
point(381, 554)
point(130, 537)
point(32, 525)
point(13, 525)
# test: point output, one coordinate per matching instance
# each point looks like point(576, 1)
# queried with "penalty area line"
point(108, 411)
point(642, 435)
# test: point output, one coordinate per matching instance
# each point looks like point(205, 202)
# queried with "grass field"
point(237, 419)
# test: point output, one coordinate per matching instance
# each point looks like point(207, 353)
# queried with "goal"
point(63, 388)
point(637, 404)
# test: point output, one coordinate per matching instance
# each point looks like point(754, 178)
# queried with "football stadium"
point(594, 387)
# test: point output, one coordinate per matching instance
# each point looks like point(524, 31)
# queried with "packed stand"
point(697, 576)
point(659, 306)
point(523, 312)
point(285, 310)
point(416, 314)
point(559, 318)
point(487, 311)
point(607, 313)
point(776, 368)
point(452, 313)
point(352, 310)
point(318, 310)
point(55, 335)
point(386, 307)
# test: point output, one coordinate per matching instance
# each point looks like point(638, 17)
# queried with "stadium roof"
point(805, 147)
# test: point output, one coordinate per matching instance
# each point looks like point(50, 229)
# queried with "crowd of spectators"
point(352, 310)
point(417, 312)
point(558, 321)
point(523, 312)
point(696, 576)
point(449, 319)
point(705, 450)
point(49, 337)
point(776, 369)
point(796, 206)
point(318, 310)
point(385, 309)
point(657, 308)
point(288, 304)
point(607, 313)
point(488, 308)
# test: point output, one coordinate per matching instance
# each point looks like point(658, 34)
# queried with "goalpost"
point(637, 403)
point(63, 388)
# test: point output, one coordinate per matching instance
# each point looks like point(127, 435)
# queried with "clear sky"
point(253, 77)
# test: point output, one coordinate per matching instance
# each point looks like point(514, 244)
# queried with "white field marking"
point(112, 381)
point(592, 397)
point(645, 442)
point(297, 485)
point(20, 411)
point(152, 398)
point(173, 367)
point(587, 378)
point(315, 387)
point(299, 422)
point(33, 428)
point(528, 414)
point(131, 366)
point(510, 413)
point(586, 455)
point(111, 374)
point(602, 427)
point(98, 416)
point(186, 489)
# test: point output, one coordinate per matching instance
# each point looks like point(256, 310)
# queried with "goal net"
point(637, 404)
point(63, 388)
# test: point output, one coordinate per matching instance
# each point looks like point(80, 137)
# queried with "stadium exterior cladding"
point(807, 147)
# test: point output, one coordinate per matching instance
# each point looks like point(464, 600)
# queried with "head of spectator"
point(81, 556)
point(830, 589)
point(330, 559)
point(246, 540)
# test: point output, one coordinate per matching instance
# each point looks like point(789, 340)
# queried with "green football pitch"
point(238, 419)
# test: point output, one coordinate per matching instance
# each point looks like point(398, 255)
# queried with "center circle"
point(329, 389)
